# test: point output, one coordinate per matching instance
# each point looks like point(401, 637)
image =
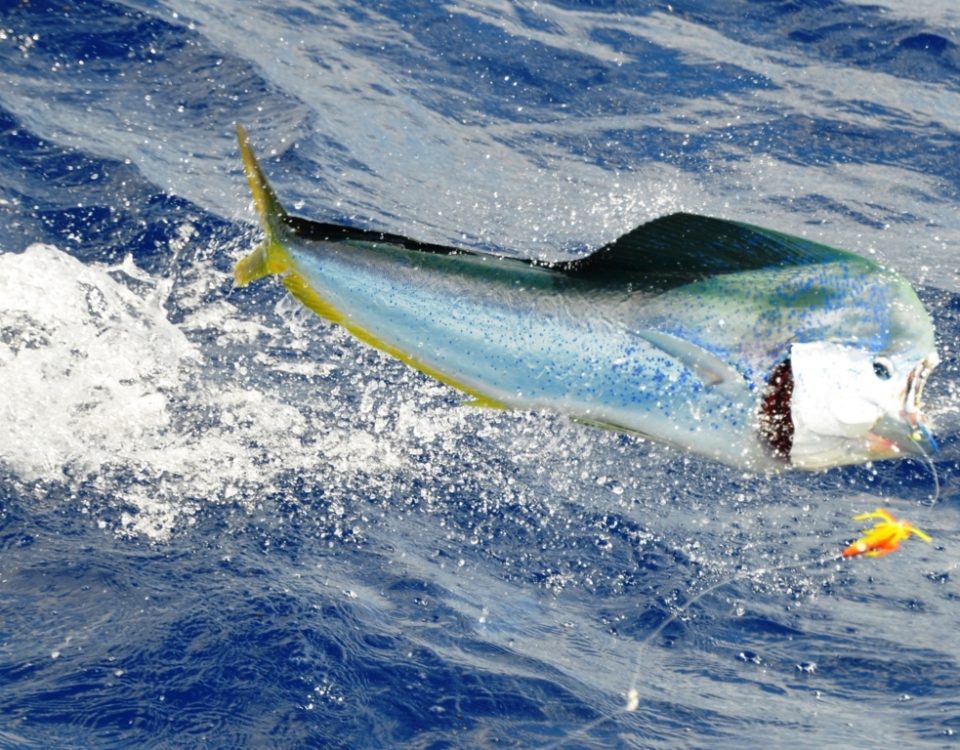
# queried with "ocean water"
point(226, 524)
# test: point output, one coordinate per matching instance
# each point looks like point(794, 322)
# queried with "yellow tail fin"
point(269, 256)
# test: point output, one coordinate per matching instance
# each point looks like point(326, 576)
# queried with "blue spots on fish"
point(672, 331)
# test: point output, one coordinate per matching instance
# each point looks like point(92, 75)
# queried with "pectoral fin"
point(711, 370)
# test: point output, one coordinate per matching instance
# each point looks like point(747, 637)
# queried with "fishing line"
point(633, 694)
point(936, 479)
point(884, 537)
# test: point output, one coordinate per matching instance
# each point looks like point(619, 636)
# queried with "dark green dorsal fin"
point(682, 247)
point(324, 232)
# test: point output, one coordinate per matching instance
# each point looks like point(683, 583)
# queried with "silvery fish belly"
point(751, 347)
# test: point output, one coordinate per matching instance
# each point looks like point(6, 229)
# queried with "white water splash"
point(98, 388)
point(85, 364)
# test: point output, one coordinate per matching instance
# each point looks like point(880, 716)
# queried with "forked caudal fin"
point(269, 256)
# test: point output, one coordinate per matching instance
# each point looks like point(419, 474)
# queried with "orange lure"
point(884, 537)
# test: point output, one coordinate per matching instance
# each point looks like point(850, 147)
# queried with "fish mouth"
point(891, 437)
point(907, 433)
point(912, 402)
point(776, 418)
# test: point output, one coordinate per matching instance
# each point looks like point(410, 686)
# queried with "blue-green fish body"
point(714, 336)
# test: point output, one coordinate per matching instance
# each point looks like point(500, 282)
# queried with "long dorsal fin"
point(683, 247)
point(663, 253)
point(325, 232)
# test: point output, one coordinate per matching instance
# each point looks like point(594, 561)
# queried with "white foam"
point(97, 386)
point(86, 364)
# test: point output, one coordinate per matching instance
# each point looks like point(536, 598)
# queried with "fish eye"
point(882, 368)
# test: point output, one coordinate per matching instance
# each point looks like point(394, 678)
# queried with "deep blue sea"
point(226, 524)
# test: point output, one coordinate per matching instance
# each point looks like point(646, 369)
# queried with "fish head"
point(846, 404)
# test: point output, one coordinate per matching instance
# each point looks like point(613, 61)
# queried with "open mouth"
point(917, 437)
point(912, 405)
point(776, 420)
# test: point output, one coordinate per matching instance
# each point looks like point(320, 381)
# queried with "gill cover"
point(850, 405)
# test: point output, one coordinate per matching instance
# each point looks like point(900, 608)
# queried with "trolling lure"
point(884, 537)
point(743, 344)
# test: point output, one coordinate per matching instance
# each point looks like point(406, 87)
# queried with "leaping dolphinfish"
point(743, 344)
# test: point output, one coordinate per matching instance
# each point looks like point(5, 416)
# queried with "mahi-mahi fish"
point(749, 346)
